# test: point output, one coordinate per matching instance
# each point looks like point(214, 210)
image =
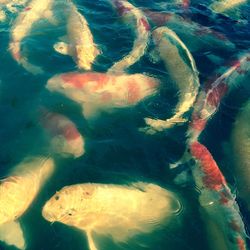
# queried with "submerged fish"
point(240, 149)
point(35, 10)
point(135, 18)
point(79, 40)
point(182, 69)
point(228, 7)
point(115, 210)
point(217, 200)
point(17, 193)
point(65, 137)
point(97, 92)
point(195, 36)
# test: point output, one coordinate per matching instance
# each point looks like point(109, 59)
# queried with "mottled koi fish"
point(65, 137)
point(17, 193)
point(195, 36)
point(79, 41)
point(135, 18)
point(97, 92)
point(181, 67)
point(35, 10)
point(118, 211)
point(216, 198)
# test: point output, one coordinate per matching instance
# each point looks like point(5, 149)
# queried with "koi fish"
point(216, 198)
point(17, 193)
point(228, 7)
point(115, 210)
point(35, 10)
point(65, 137)
point(195, 36)
point(79, 40)
point(240, 149)
point(97, 92)
point(135, 18)
point(182, 69)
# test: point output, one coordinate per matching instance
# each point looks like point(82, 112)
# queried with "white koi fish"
point(115, 210)
point(97, 92)
point(182, 69)
point(195, 36)
point(65, 137)
point(240, 149)
point(35, 10)
point(79, 40)
point(17, 193)
point(135, 18)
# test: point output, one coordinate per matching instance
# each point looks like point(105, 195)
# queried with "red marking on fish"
point(145, 24)
point(209, 83)
point(224, 198)
point(133, 92)
point(197, 123)
point(213, 178)
point(79, 80)
point(185, 4)
point(241, 244)
point(70, 132)
point(122, 10)
point(216, 94)
point(106, 97)
point(158, 19)
point(27, 8)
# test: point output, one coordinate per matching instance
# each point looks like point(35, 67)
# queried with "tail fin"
point(11, 233)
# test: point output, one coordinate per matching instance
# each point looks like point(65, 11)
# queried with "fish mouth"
point(48, 216)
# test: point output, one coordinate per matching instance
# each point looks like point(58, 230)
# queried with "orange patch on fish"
point(133, 92)
point(145, 24)
point(70, 132)
point(213, 178)
point(216, 94)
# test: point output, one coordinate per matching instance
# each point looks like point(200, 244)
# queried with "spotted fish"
point(97, 92)
point(115, 210)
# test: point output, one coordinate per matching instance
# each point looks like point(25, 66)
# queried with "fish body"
point(240, 149)
point(216, 198)
point(135, 18)
point(180, 65)
point(103, 92)
point(115, 210)
point(80, 41)
point(18, 191)
point(65, 137)
point(34, 11)
point(195, 36)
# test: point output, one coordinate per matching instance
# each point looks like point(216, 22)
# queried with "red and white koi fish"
point(135, 18)
point(216, 198)
point(195, 36)
point(17, 193)
point(231, 8)
point(79, 40)
point(97, 92)
point(182, 69)
point(65, 137)
point(240, 151)
point(34, 11)
point(211, 94)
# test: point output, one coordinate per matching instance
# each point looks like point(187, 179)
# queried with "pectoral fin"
point(91, 242)
point(90, 111)
point(11, 233)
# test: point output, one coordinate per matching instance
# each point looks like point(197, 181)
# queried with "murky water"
point(116, 152)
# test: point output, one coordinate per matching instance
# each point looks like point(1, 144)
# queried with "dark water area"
point(115, 151)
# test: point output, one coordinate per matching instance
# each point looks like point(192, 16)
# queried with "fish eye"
point(57, 197)
point(69, 214)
